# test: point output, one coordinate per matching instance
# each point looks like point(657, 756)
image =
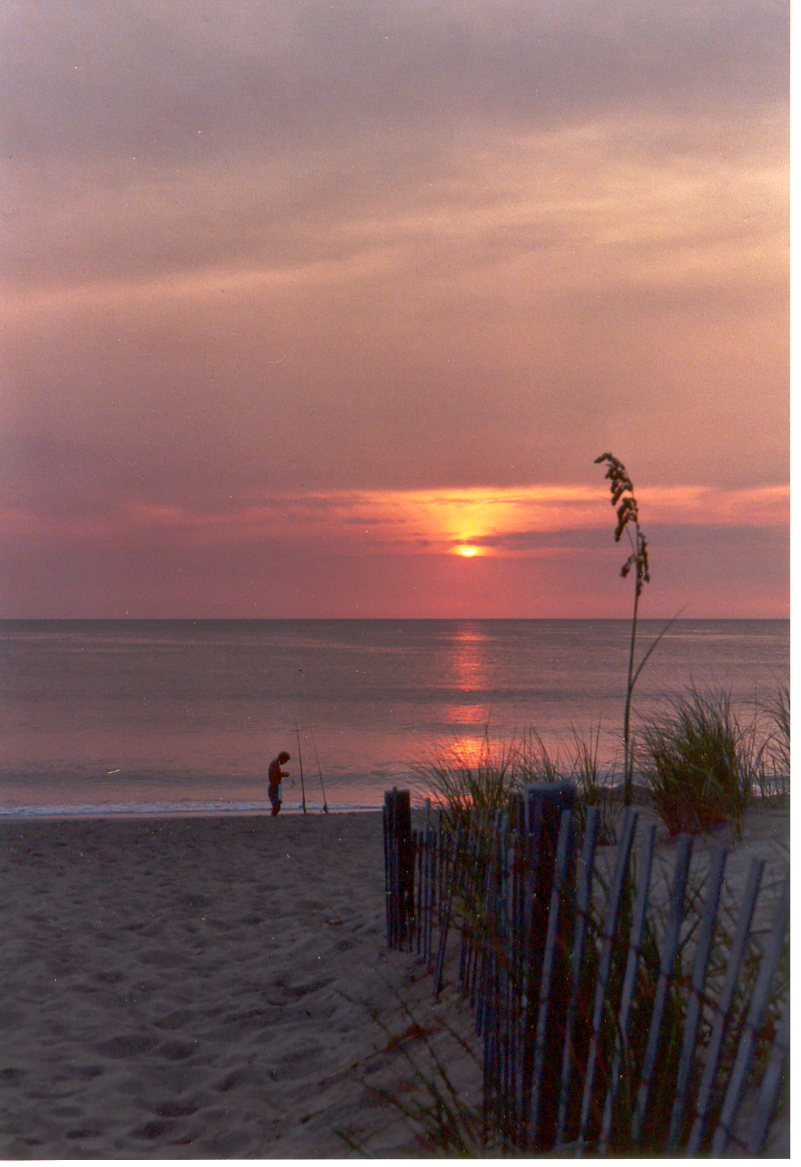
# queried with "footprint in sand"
point(112, 977)
point(127, 1045)
point(175, 1020)
point(171, 1109)
point(153, 1130)
point(85, 1073)
point(176, 1051)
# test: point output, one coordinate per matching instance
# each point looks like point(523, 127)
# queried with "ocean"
point(183, 716)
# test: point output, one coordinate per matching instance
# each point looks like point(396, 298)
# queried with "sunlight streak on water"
point(189, 713)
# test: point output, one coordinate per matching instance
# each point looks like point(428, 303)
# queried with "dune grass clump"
point(484, 778)
point(578, 761)
point(702, 765)
point(490, 776)
point(772, 752)
point(779, 710)
point(695, 762)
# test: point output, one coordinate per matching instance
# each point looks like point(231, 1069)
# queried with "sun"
point(466, 549)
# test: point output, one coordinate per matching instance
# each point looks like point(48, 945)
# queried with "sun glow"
point(470, 523)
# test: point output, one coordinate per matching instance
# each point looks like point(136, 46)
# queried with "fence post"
point(389, 866)
point(399, 866)
point(584, 886)
point(543, 804)
point(426, 873)
point(553, 997)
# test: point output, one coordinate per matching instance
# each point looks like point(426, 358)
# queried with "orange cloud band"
point(469, 521)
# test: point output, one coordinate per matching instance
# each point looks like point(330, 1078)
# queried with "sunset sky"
point(326, 309)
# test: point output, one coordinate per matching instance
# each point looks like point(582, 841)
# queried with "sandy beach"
point(216, 988)
point(200, 988)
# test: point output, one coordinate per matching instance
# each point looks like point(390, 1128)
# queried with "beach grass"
point(771, 748)
point(492, 775)
point(703, 765)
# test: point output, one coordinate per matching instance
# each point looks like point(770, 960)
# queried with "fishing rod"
point(319, 770)
point(300, 764)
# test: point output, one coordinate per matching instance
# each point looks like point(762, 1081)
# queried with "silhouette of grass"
point(628, 522)
point(700, 764)
point(771, 750)
point(491, 776)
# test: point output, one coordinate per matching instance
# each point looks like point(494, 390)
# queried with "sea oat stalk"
point(628, 520)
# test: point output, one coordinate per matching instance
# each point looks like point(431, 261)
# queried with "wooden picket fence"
point(610, 1023)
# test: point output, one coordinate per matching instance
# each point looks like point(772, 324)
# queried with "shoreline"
point(32, 813)
point(139, 816)
point(640, 801)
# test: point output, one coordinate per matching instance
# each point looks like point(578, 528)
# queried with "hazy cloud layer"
point(394, 245)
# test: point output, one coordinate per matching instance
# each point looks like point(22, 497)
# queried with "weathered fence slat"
point(670, 947)
point(558, 900)
point(504, 972)
point(446, 912)
point(723, 1006)
point(544, 932)
point(468, 932)
point(489, 980)
point(706, 933)
point(480, 849)
point(483, 852)
point(771, 1086)
point(425, 880)
point(544, 803)
point(476, 968)
point(507, 966)
point(759, 999)
point(433, 861)
point(636, 932)
point(586, 866)
point(417, 853)
point(605, 962)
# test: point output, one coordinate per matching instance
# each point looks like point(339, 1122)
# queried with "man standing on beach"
point(275, 776)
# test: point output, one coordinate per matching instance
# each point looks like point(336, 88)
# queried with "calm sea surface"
point(184, 716)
